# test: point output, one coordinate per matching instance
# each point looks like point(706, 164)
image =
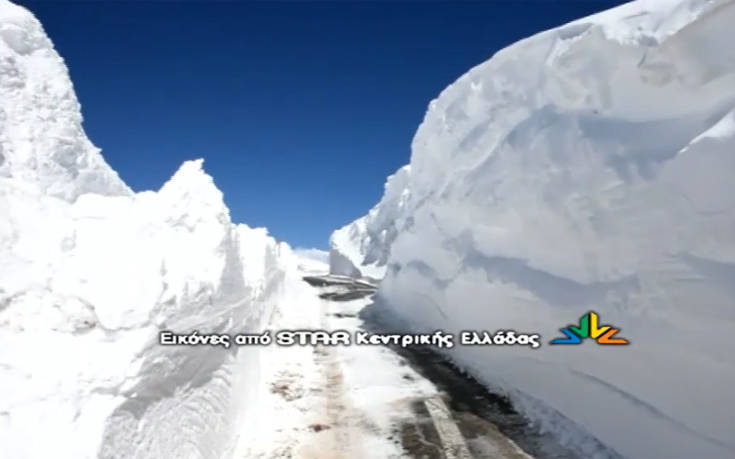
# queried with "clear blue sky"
point(300, 109)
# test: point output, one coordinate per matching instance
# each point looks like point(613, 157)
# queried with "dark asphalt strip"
point(473, 405)
point(478, 413)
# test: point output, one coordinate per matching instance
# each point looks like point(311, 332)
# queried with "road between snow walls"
point(585, 168)
point(372, 400)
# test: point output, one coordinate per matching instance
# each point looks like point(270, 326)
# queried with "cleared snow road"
point(367, 401)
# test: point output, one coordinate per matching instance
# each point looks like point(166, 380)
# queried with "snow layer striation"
point(589, 167)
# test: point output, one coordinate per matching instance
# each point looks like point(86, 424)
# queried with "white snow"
point(589, 167)
point(311, 260)
point(42, 142)
point(89, 274)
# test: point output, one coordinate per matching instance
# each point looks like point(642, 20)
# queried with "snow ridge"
point(585, 168)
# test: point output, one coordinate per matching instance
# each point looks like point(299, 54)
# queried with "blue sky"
point(300, 109)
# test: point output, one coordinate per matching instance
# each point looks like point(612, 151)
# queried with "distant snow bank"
point(312, 260)
point(361, 249)
point(89, 274)
point(589, 167)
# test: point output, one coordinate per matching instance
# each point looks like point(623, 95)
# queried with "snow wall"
point(89, 274)
point(361, 248)
point(589, 167)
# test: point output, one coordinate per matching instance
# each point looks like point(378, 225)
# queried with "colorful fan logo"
point(589, 327)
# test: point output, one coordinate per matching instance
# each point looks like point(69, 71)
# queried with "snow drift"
point(589, 167)
point(90, 272)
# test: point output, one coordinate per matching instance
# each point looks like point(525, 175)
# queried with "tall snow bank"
point(589, 167)
point(360, 249)
point(42, 142)
point(90, 273)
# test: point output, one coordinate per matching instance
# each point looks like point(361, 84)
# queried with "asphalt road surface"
point(464, 420)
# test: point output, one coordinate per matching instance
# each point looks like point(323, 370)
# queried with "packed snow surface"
point(589, 167)
point(89, 274)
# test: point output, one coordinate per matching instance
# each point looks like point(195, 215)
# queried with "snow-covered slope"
point(89, 274)
point(590, 167)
